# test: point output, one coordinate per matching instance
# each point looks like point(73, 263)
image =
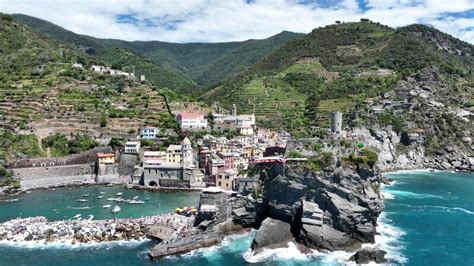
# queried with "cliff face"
point(329, 211)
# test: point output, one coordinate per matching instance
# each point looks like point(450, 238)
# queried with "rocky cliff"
point(325, 211)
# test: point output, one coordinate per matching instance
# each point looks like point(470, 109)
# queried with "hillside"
point(207, 64)
point(41, 94)
point(340, 65)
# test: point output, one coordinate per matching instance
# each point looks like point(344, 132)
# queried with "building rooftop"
point(173, 147)
point(189, 115)
point(154, 153)
point(105, 155)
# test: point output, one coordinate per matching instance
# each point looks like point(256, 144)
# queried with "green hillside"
point(207, 64)
point(336, 68)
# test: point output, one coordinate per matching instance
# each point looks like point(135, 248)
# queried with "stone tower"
point(336, 122)
point(186, 152)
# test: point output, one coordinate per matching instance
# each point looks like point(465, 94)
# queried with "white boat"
point(118, 199)
point(119, 194)
point(111, 199)
point(99, 197)
point(110, 185)
point(101, 193)
point(77, 216)
point(82, 200)
point(106, 206)
point(136, 197)
point(86, 195)
point(116, 209)
point(90, 217)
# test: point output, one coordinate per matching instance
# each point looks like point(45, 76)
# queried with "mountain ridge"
point(191, 60)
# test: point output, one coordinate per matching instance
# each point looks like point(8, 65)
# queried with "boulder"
point(367, 255)
point(272, 233)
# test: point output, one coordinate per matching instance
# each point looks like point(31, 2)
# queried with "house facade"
point(150, 132)
point(193, 121)
point(132, 147)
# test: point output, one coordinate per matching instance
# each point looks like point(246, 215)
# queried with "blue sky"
point(236, 20)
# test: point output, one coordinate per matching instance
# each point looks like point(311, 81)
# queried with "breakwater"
point(40, 230)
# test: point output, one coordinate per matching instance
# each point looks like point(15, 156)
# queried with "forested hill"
point(205, 64)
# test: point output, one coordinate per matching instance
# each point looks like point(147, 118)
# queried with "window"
point(220, 184)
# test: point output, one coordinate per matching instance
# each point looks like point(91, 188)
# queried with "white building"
point(150, 132)
point(132, 147)
point(191, 121)
point(245, 130)
point(77, 65)
point(151, 158)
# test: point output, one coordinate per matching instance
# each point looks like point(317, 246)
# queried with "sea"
point(428, 220)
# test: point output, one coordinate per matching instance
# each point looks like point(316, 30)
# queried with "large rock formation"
point(328, 211)
point(367, 255)
point(272, 233)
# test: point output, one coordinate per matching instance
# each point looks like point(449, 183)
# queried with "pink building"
point(191, 120)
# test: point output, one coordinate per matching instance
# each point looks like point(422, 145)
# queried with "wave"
point(425, 208)
point(389, 238)
point(80, 208)
point(407, 194)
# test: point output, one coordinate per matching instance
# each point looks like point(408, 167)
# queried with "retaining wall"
point(38, 177)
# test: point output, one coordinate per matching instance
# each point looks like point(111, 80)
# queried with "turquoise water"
point(429, 219)
point(434, 216)
point(63, 203)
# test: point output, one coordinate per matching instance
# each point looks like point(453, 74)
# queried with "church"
point(178, 171)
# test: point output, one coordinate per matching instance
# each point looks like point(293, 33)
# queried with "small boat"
point(86, 195)
point(116, 209)
point(119, 194)
point(90, 217)
point(147, 199)
point(82, 200)
point(111, 199)
point(101, 193)
point(118, 200)
point(110, 185)
point(106, 206)
point(77, 216)
point(136, 197)
point(99, 197)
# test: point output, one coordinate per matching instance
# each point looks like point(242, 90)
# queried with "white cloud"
point(235, 20)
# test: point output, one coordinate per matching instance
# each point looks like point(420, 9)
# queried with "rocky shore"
point(40, 230)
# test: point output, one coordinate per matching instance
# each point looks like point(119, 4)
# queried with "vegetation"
point(13, 145)
point(60, 145)
point(366, 156)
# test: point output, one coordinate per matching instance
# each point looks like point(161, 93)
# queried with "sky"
point(237, 20)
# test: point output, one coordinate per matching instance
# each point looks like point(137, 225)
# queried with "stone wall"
point(220, 201)
point(38, 177)
point(107, 174)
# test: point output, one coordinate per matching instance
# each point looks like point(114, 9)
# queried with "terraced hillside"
point(41, 93)
point(339, 67)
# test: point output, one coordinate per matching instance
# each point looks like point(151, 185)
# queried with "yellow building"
point(106, 158)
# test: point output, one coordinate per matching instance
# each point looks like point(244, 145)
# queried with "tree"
point(103, 121)
point(311, 109)
point(210, 120)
